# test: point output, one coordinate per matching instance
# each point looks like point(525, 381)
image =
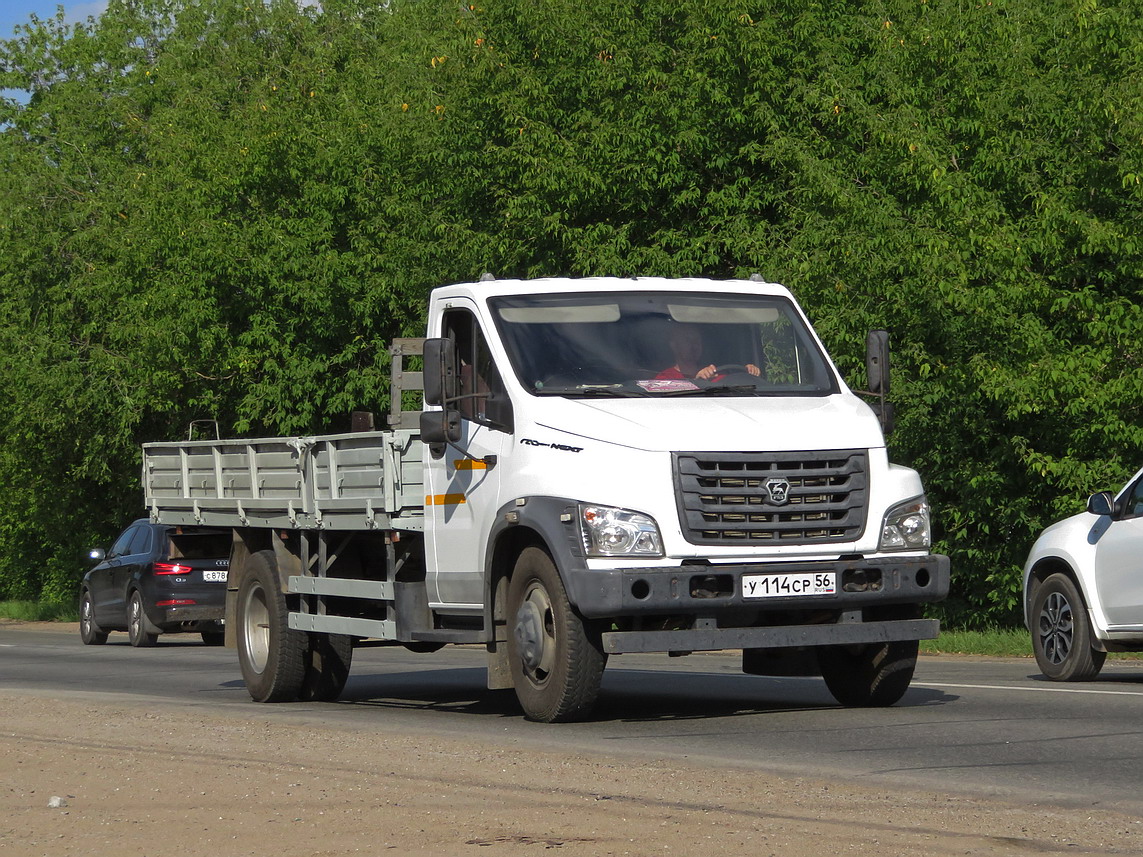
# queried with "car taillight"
point(171, 568)
point(175, 602)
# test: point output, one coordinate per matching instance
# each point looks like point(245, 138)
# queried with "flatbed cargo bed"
point(352, 481)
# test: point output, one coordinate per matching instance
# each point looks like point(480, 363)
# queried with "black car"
point(156, 580)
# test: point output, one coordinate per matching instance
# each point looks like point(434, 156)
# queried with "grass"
point(38, 611)
point(995, 642)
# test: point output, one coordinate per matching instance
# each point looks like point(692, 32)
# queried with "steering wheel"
point(732, 369)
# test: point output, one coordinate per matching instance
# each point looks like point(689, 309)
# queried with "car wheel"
point(213, 638)
point(89, 630)
point(137, 625)
point(1061, 633)
point(557, 659)
point(870, 676)
point(270, 654)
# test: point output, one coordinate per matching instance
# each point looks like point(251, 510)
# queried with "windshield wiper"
point(592, 392)
point(735, 390)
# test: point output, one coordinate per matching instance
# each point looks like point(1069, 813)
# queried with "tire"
point(556, 658)
point(327, 665)
point(138, 627)
point(1061, 632)
point(872, 676)
point(213, 638)
point(89, 630)
point(270, 655)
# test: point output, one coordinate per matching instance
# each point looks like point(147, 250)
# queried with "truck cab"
point(688, 461)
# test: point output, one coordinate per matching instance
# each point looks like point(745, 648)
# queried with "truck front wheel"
point(869, 676)
point(271, 656)
point(556, 657)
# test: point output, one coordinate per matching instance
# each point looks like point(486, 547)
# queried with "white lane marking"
point(922, 683)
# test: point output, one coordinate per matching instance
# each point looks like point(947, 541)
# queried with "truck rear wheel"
point(869, 676)
point(556, 658)
point(271, 656)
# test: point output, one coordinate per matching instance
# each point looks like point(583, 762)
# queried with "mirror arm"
point(887, 421)
point(488, 461)
point(451, 400)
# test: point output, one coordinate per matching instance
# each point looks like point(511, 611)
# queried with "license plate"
point(214, 576)
point(788, 585)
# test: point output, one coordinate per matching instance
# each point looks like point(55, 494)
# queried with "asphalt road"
point(982, 727)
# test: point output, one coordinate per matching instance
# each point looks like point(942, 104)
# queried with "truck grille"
point(737, 497)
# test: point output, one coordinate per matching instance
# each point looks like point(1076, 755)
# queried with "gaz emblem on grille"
point(779, 491)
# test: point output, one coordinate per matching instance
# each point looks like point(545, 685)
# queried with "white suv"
point(1083, 586)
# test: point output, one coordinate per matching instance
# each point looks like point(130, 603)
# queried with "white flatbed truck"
point(568, 492)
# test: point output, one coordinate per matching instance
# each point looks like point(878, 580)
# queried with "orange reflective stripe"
point(469, 464)
point(444, 499)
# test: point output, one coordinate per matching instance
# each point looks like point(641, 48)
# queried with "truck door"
point(463, 491)
point(1118, 563)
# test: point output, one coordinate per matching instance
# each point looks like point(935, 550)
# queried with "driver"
point(686, 347)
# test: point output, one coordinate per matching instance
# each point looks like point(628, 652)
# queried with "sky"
point(13, 12)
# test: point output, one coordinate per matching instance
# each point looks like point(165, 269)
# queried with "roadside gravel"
point(159, 780)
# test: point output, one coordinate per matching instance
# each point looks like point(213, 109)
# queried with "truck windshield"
point(627, 344)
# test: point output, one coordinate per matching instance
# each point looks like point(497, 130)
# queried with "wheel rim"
point(256, 628)
point(1057, 628)
point(135, 622)
point(536, 634)
point(85, 614)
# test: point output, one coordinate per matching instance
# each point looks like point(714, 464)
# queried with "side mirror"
point(440, 371)
point(877, 361)
point(440, 427)
point(1101, 504)
point(886, 415)
point(498, 409)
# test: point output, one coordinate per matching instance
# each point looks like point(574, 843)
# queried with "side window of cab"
point(478, 375)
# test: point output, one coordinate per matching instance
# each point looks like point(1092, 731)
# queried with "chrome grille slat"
point(723, 499)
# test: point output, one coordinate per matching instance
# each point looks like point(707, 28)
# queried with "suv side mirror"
point(440, 371)
point(877, 361)
point(1101, 504)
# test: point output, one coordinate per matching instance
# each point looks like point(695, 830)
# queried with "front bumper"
point(775, 637)
point(710, 590)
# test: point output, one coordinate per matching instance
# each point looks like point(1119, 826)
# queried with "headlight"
point(618, 532)
point(906, 527)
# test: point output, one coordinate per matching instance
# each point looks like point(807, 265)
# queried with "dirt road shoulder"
point(140, 780)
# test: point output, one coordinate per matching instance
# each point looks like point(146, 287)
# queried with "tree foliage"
point(223, 209)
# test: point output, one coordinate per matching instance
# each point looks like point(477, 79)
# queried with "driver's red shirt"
point(672, 373)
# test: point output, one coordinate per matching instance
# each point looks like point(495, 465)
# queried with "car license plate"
point(214, 576)
point(788, 585)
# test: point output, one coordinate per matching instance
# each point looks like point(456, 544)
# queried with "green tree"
point(224, 210)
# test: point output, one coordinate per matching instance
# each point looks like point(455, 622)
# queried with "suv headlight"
point(906, 527)
point(608, 531)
